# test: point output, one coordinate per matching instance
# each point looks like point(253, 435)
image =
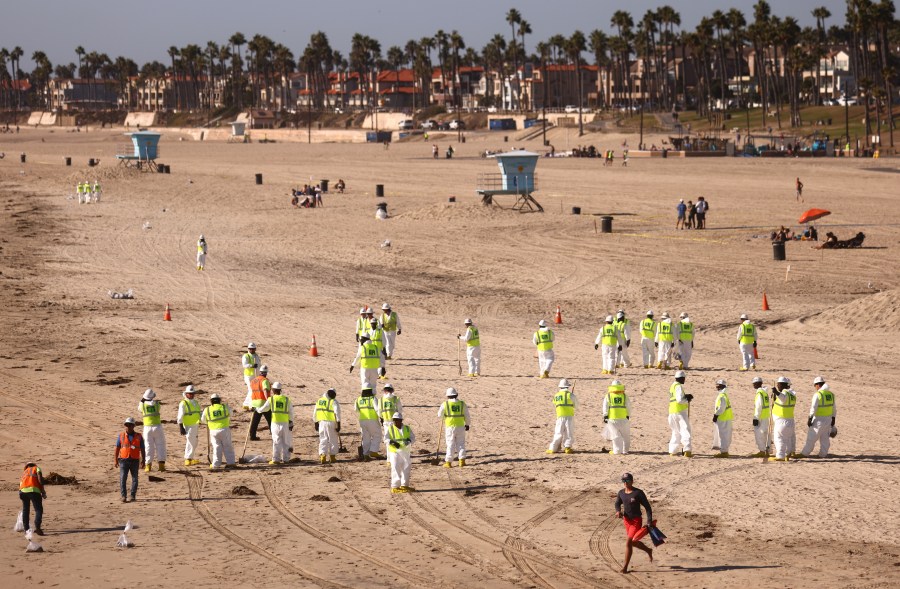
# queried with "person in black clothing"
point(628, 507)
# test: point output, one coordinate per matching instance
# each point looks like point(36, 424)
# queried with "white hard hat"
point(756, 380)
point(189, 389)
point(468, 321)
point(215, 397)
point(264, 368)
point(683, 315)
point(276, 386)
point(149, 395)
point(542, 323)
point(365, 386)
point(665, 315)
point(385, 306)
point(680, 374)
point(620, 313)
point(609, 318)
point(721, 382)
point(362, 310)
point(251, 346)
point(818, 380)
point(451, 392)
point(389, 387)
point(784, 380)
point(396, 416)
point(201, 236)
point(743, 316)
point(129, 420)
point(650, 313)
point(564, 384)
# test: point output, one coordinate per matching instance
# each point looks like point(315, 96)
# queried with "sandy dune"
point(75, 363)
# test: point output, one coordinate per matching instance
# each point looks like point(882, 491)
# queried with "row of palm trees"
point(677, 66)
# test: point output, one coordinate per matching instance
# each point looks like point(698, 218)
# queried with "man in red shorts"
point(628, 507)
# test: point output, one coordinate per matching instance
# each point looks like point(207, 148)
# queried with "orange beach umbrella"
point(812, 215)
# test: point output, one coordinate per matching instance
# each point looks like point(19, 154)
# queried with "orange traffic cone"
point(558, 318)
point(313, 350)
point(168, 315)
point(765, 303)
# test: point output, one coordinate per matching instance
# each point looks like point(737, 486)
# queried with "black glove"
point(754, 344)
point(809, 421)
point(338, 427)
point(181, 429)
point(399, 331)
point(382, 371)
point(351, 369)
point(619, 348)
point(381, 420)
point(291, 426)
point(596, 346)
point(458, 335)
point(755, 422)
point(627, 417)
point(395, 444)
point(689, 398)
point(655, 345)
point(832, 421)
point(605, 419)
point(316, 425)
point(357, 338)
point(715, 418)
point(467, 428)
point(692, 344)
point(628, 343)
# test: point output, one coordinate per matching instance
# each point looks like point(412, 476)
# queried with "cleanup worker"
point(455, 414)
point(822, 417)
point(665, 340)
point(648, 343)
point(680, 416)
point(31, 492)
point(628, 507)
point(473, 347)
point(608, 339)
point(762, 412)
point(217, 418)
point(389, 405)
point(95, 191)
point(746, 337)
point(369, 357)
point(564, 433)
point(79, 191)
point(367, 412)
point(362, 324)
point(376, 336)
point(154, 437)
point(260, 391)
point(250, 362)
point(201, 253)
point(623, 335)
point(685, 341)
point(723, 420)
point(783, 411)
point(327, 421)
point(282, 412)
point(398, 439)
point(390, 323)
point(616, 415)
point(189, 424)
point(543, 339)
point(129, 454)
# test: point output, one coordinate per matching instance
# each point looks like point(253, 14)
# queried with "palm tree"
point(173, 51)
point(396, 58)
point(237, 40)
point(623, 23)
point(513, 17)
point(821, 14)
point(212, 49)
point(669, 18)
point(575, 45)
point(525, 29)
point(599, 46)
point(14, 57)
point(736, 24)
point(457, 44)
point(40, 76)
point(759, 34)
point(79, 51)
point(440, 41)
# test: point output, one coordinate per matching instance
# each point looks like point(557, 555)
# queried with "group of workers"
point(87, 192)
point(775, 405)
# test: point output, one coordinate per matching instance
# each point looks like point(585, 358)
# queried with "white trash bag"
point(254, 459)
point(19, 527)
point(32, 546)
point(123, 541)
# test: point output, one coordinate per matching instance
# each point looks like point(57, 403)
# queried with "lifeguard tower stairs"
point(516, 178)
point(141, 153)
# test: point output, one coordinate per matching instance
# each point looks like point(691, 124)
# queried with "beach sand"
point(76, 362)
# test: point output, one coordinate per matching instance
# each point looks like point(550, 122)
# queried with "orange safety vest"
point(258, 393)
point(130, 449)
point(31, 482)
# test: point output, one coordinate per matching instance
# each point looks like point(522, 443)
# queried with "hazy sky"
point(143, 30)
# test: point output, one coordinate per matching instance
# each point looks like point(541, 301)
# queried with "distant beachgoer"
point(625, 158)
point(434, 151)
point(799, 190)
point(340, 186)
point(702, 208)
point(682, 209)
point(628, 507)
point(692, 214)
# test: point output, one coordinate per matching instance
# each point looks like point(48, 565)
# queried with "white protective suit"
point(281, 432)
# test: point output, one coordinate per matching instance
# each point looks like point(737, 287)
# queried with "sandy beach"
point(75, 363)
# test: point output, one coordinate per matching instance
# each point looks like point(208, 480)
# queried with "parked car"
point(571, 108)
point(430, 124)
point(443, 126)
point(844, 101)
point(492, 109)
point(407, 125)
point(457, 124)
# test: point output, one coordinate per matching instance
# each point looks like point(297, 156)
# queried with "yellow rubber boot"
point(332, 458)
point(162, 467)
point(322, 458)
point(462, 461)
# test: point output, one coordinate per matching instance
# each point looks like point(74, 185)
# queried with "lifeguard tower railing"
point(497, 183)
point(141, 153)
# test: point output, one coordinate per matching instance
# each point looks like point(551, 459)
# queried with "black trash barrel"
point(576, 210)
point(506, 139)
point(451, 199)
point(606, 224)
point(168, 169)
point(161, 168)
point(463, 139)
point(778, 251)
point(22, 157)
point(665, 153)
point(259, 178)
point(68, 161)
point(324, 184)
point(91, 163)
point(379, 190)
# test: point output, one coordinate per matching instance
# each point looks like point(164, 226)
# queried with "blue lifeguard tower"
point(516, 177)
point(142, 152)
